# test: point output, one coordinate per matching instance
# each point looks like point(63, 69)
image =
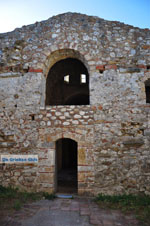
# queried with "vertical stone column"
point(85, 171)
point(46, 175)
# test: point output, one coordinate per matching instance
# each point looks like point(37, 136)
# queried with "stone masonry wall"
point(37, 134)
point(113, 132)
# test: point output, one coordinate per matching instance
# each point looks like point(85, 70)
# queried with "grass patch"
point(13, 199)
point(17, 205)
point(49, 196)
point(139, 205)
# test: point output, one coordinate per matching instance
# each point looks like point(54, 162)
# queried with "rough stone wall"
point(113, 132)
point(36, 134)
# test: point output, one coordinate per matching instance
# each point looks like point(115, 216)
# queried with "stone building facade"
point(81, 83)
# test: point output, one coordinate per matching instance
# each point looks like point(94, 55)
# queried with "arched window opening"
point(67, 83)
point(147, 90)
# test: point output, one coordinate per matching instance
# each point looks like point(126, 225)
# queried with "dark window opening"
point(33, 118)
point(66, 165)
point(101, 71)
point(77, 99)
point(148, 67)
point(67, 80)
point(147, 90)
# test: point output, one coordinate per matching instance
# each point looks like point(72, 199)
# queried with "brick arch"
point(56, 56)
point(61, 54)
point(67, 135)
point(63, 63)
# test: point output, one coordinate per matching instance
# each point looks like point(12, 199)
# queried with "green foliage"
point(48, 196)
point(126, 200)
point(137, 204)
point(17, 205)
point(13, 198)
point(8, 192)
point(26, 196)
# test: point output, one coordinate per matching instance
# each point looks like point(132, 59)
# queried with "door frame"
point(56, 165)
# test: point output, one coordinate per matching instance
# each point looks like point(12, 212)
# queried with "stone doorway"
point(66, 166)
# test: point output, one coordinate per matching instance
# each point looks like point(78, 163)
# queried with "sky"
point(16, 13)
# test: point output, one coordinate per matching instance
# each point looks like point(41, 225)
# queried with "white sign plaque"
point(18, 159)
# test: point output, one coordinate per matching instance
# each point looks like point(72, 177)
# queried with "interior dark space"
point(66, 163)
point(67, 83)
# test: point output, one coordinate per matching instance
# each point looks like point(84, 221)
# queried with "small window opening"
point(66, 78)
point(83, 78)
point(147, 90)
point(148, 67)
point(33, 117)
point(101, 71)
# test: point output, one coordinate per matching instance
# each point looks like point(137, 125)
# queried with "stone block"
point(51, 157)
point(39, 70)
point(48, 138)
point(48, 145)
point(82, 156)
point(146, 46)
point(134, 142)
point(100, 67)
point(45, 177)
point(113, 66)
point(147, 133)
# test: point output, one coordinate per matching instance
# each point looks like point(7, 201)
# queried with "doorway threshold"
point(64, 196)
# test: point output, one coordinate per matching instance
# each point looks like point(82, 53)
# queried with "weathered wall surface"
point(113, 132)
